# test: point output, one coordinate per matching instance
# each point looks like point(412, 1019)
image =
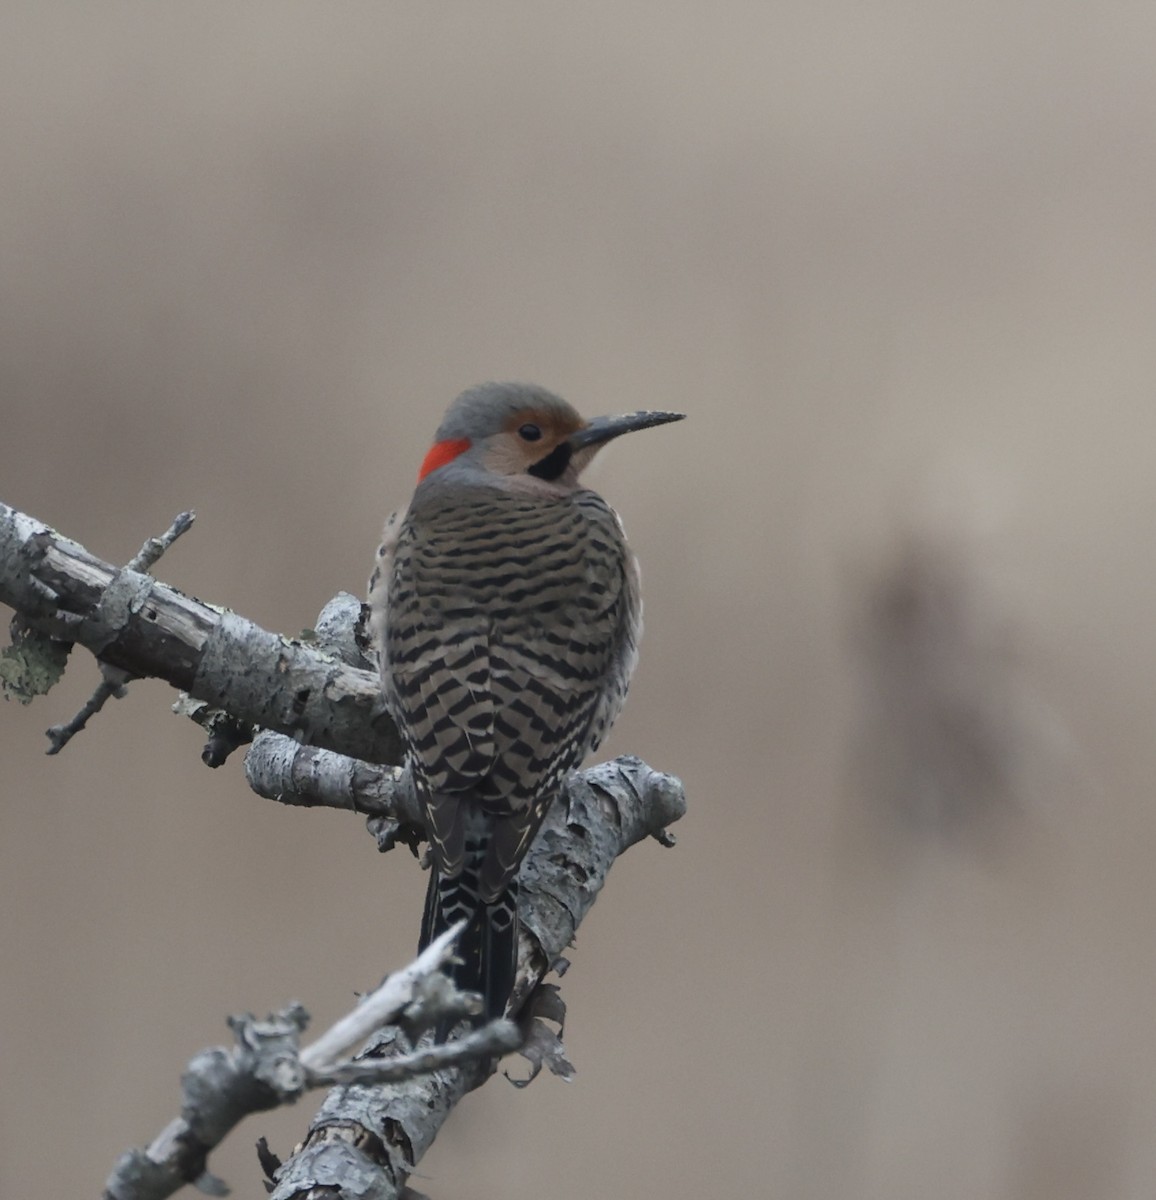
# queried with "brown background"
point(897, 262)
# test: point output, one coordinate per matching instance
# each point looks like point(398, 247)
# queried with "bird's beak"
point(602, 429)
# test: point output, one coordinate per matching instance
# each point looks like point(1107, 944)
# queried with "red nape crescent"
point(441, 453)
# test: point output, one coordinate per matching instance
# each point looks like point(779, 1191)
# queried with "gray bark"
point(132, 621)
point(367, 1137)
point(376, 1135)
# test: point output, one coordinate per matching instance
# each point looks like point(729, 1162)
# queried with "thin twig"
point(113, 684)
point(111, 687)
point(497, 1037)
point(154, 547)
point(382, 1006)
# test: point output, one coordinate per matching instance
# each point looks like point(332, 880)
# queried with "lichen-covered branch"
point(368, 1139)
point(390, 1103)
point(265, 1068)
point(132, 621)
point(369, 1134)
point(279, 768)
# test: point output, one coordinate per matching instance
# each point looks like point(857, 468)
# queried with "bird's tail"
point(488, 946)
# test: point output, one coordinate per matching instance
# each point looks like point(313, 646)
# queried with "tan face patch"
point(555, 426)
point(512, 452)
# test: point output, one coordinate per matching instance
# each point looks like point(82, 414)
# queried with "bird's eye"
point(530, 433)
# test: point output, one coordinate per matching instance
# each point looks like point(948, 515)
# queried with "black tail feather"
point(488, 946)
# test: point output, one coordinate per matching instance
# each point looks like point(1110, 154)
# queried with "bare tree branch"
point(369, 1134)
point(265, 1069)
point(281, 769)
point(376, 1135)
point(144, 627)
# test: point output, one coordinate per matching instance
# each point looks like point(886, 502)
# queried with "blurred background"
point(897, 262)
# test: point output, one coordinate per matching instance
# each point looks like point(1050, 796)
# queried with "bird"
point(505, 610)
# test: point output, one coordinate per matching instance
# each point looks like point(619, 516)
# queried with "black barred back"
point(508, 637)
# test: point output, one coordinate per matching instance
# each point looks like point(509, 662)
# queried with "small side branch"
point(281, 769)
point(414, 984)
point(114, 682)
point(150, 553)
point(113, 685)
point(265, 1069)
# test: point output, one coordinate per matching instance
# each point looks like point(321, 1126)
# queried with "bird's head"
point(517, 429)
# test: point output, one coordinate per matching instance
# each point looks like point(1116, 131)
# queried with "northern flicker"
point(506, 612)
